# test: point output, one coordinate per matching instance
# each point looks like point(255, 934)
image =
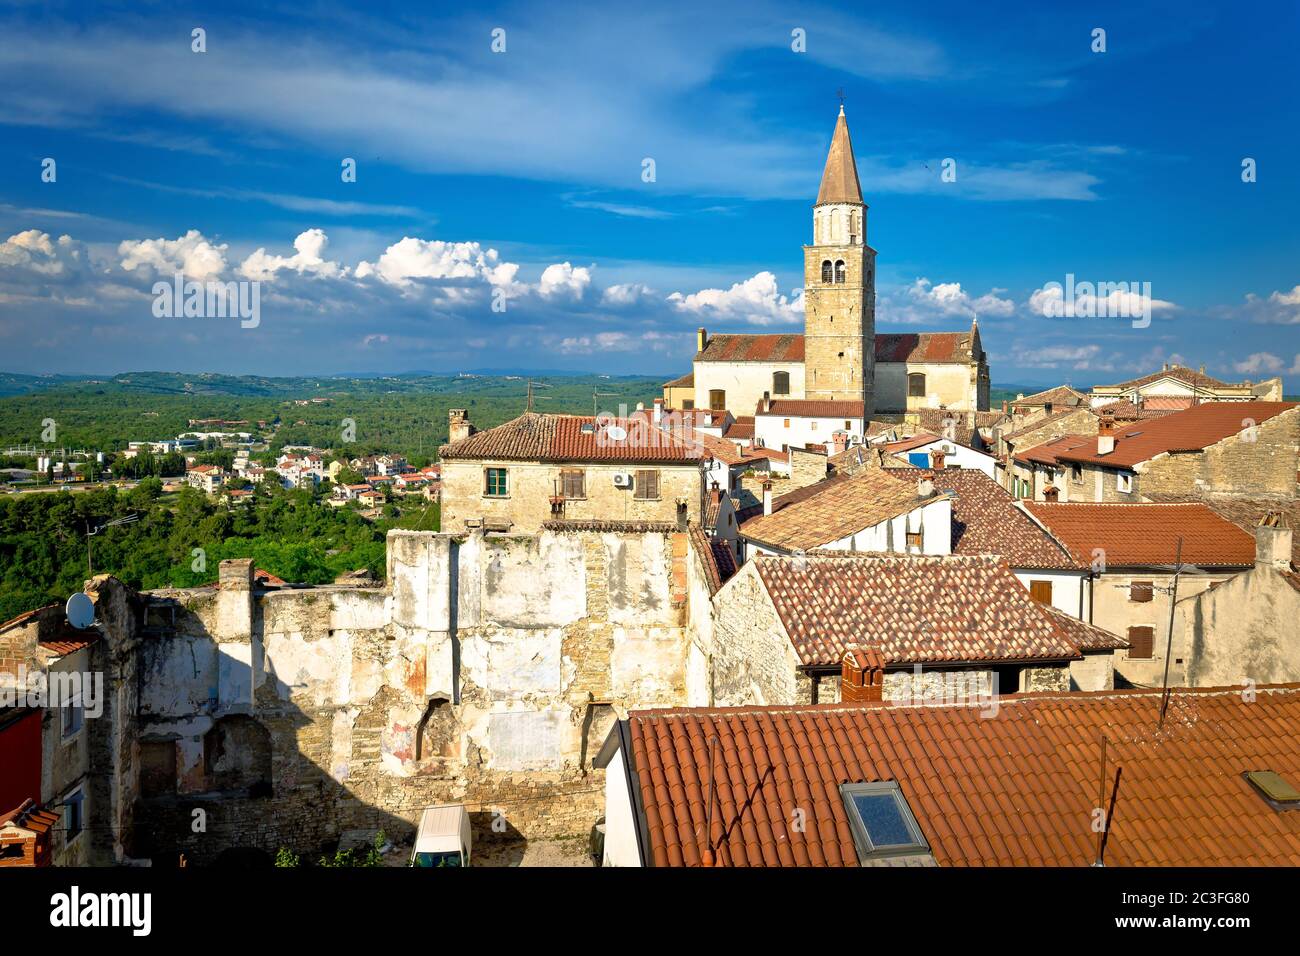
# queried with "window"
point(1141, 642)
point(497, 482)
point(881, 821)
point(787, 422)
point(826, 271)
point(688, 404)
point(916, 385)
point(73, 715)
point(914, 539)
point(839, 270)
point(157, 768)
point(717, 399)
point(1076, 473)
point(780, 383)
point(573, 484)
point(1041, 591)
point(647, 486)
point(1124, 482)
point(1140, 592)
point(73, 819)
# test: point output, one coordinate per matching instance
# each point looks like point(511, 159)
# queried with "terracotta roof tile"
point(1190, 430)
point(808, 408)
point(932, 347)
point(753, 348)
point(1017, 789)
point(715, 557)
point(838, 508)
point(1179, 373)
point(1245, 512)
point(917, 609)
point(1059, 395)
point(1145, 534)
point(542, 437)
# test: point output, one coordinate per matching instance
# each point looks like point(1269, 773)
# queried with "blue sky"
point(517, 178)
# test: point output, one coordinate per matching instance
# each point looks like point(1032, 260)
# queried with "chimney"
point(936, 459)
point(715, 494)
point(862, 674)
point(767, 497)
point(925, 488)
point(1105, 433)
point(839, 442)
point(767, 402)
point(1166, 368)
point(658, 415)
point(701, 339)
point(1273, 542)
point(1051, 493)
point(458, 424)
point(1006, 408)
point(1202, 369)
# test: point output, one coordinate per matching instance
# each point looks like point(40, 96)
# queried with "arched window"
point(826, 271)
point(839, 270)
point(916, 385)
point(780, 383)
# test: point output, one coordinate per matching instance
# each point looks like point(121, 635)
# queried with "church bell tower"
point(840, 286)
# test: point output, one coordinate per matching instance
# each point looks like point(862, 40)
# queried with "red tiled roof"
point(809, 408)
point(1045, 454)
point(541, 437)
point(1017, 789)
point(30, 815)
point(956, 609)
point(752, 348)
point(1245, 513)
point(686, 381)
point(931, 347)
point(1190, 430)
point(985, 520)
point(919, 440)
point(1132, 535)
point(1060, 395)
point(715, 556)
point(742, 429)
point(837, 510)
point(1085, 636)
point(1179, 373)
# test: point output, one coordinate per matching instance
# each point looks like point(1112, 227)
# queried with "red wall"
point(20, 760)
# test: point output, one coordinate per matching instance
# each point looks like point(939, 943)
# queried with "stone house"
point(1216, 447)
point(934, 620)
point(541, 467)
point(1176, 386)
point(1244, 629)
point(1131, 551)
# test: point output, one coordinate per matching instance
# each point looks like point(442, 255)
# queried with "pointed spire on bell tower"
point(840, 178)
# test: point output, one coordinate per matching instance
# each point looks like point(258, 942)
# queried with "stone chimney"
point(1051, 493)
point(767, 497)
point(715, 494)
point(766, 403)
point(1273, 542)
point(459, 425)
point(701, 339)
point(1105, 433)
point(839, 442)
point(936, 459)
point(658, 415)
point(862, 674)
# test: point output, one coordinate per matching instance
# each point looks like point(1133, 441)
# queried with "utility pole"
point(1169, 640)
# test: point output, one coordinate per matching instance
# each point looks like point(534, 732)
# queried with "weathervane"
point(840, 94)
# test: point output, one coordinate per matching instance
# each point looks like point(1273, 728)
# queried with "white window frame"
point(1124, 482)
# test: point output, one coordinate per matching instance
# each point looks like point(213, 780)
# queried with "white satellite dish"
point(616, 432)
point(80, 611)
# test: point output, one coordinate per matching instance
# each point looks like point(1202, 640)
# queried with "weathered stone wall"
point(1245, 629)
point(1260, 460)
point(753, 661)
point(531, 486)
point(488, 674)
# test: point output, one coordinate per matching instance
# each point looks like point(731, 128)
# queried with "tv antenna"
point(596, 396)
point(107, 524)
point(1169, 640)
point(532, 385)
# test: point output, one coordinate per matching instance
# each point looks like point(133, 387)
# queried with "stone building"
point(839, 357)
point(1244, 629)
point(936, 621)
point(1178, 387)
point(541, 467)
point(1216, 447)
point(1132, 550)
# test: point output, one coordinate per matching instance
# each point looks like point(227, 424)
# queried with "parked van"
point(443, 837)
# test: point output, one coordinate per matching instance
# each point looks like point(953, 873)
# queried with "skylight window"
point(881, 821)
point(1280, 794)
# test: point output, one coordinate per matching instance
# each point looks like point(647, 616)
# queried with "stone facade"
point(531, 485)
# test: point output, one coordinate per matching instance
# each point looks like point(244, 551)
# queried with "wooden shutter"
point(1140, 592)
point(1041, 591)
point(574, 484)
point(647, 485)
point(1141, 642)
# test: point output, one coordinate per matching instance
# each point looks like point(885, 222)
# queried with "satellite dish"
point(80, 611)
point(616, 432)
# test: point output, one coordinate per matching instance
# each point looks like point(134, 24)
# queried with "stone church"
point(839, 359)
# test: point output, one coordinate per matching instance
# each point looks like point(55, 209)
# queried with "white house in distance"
point(799, 423)
point(931, 451)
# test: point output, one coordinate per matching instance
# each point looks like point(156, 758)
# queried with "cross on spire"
point(840, 94)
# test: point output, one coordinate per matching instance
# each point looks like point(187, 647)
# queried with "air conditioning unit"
point(622, 480)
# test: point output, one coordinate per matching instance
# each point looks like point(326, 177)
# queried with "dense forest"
point(178, 539)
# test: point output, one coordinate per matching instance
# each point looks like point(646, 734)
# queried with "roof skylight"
point(881, 821)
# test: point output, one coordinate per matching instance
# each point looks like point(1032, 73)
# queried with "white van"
point(443, 837)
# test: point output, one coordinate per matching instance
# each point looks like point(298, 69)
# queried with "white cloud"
point(1266, 363)
point(562, 280)
point(308, 259)
point(1277, 308)
point(1054, 356)
point(923, 303)
point(191, 254)
point(756, 301)
point(626, 294)
point(411, 259)
point(34, 251)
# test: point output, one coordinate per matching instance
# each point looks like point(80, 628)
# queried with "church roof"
point(932, 347)
point(840, 178)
